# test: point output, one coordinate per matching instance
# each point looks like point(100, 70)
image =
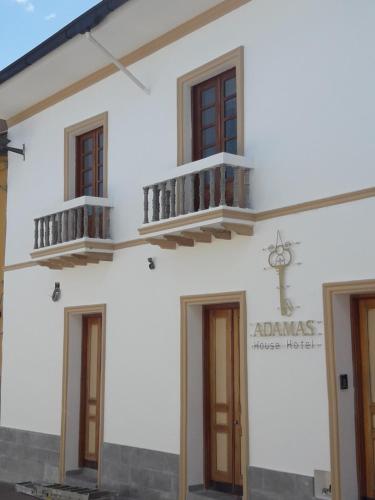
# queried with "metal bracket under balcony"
point(76, 236)
point(208, 199)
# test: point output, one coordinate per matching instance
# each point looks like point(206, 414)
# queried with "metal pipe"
point(116, 62)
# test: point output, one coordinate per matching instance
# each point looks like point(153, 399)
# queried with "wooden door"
point(90, 391)
point(364, 369)
point(214, 113)
point(90, 174)
point(90, 163)
point(222, 398)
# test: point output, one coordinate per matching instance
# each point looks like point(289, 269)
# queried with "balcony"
point(205, 199)
point(77, 235)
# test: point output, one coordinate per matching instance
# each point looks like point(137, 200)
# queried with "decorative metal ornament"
point(280, 257)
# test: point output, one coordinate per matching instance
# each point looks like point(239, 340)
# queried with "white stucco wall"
point(309, 107)
point(142, 394)
point(309, 133)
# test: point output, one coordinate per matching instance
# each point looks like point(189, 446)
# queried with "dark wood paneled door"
point(222, 399)
point(90, 390)
point(214, 116)
point(90, 163)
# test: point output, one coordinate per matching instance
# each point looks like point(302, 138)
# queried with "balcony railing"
point(210, 187)
point(83, 221)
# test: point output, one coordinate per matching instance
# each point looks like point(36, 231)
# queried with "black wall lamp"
point(4, 141)
point(151, 263)
point(56, 294)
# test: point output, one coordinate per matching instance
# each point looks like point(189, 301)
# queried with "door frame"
point(68, 311)
point(329, 291)
point(206, 300)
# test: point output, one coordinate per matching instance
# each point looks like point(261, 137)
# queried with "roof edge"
point(85, 22)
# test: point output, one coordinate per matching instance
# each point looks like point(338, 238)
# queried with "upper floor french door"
point(89, 163)
point(214, 114)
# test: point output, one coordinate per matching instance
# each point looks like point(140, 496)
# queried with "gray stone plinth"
point(265, 484)
point(139, 473)
point(28, 456)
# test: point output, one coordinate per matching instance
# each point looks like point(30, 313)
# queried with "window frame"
point(185, 83)
point(70, 153)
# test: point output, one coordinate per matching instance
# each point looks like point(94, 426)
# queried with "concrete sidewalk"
point(8, 492)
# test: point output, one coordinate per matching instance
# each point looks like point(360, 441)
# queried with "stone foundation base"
point(139, 473)
point(268, 484)
point(28, 456)
point(134, 472)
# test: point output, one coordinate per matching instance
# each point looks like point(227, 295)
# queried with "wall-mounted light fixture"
point(151, 263)
point(4, 141)
point(56, 294)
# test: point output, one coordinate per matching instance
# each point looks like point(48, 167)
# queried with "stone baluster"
point(222, 185)
point(236, 187)
point(97, 221)
point(182, 199)
point(145, 204)
point(56, 216)
point(246, 188)
point(106, 223)
point(191, 191)
point(85, 222)
point(47, 237)
point(79, 222)
point(59, 227)
point(36, 234)
point(167, 204)
point(62, 227)
point(212, 187)
point(163, 200)
point(155, 203)
point(74, 223)
point(65, 226)
point(201, 190)
point(70, 225)
point(76, 210)
point(173, 198)
point(41, 232)
point(54, 228)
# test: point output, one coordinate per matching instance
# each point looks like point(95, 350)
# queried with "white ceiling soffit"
point(129, 27)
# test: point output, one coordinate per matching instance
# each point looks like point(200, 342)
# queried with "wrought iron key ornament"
point(280, 258)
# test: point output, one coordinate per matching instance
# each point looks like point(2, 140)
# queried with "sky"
point(26, 23)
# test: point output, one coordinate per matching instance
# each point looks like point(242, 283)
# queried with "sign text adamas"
point(263, 332)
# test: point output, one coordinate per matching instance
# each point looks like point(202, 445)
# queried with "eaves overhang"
point(86, 22)
point(65, 66)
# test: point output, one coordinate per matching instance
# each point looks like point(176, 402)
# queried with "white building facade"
point(223, 363)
